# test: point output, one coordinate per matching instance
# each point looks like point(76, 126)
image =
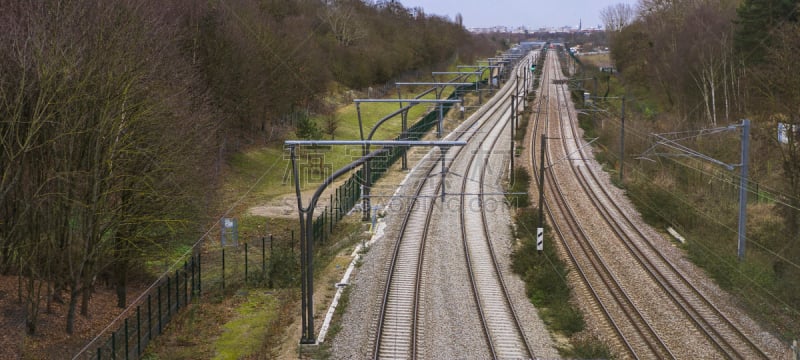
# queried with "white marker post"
point(540, 239)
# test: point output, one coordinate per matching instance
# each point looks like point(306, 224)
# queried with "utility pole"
point(743, 187)
point(622, 144)
point(541, 182)
point(511, 128)
point(743, 180)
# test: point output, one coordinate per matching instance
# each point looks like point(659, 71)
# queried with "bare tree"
point(615, 17)
point(107, 135)
point(343, 22)
point(777, 95)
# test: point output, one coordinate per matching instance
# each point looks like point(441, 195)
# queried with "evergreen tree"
point(756, 19)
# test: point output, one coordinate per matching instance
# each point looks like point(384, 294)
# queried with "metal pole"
point(126, 338)
point(513, 114)
point(491, 75)
point(516, 92)
point(263, 257)
point(199, 275)
point(622, 145)
point(439, 125)
point(404, 124)
point(524, 82)
point(365, 192)
point(308, 337)
point(541, 182)
point(478, 90)
point(443, 149)
point(138, 331)
point(743, 187)
point(149, 317)
point(304, 273)
point(360, 125)
point(160, 328)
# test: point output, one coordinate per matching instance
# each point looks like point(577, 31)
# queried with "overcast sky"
point(530, 13)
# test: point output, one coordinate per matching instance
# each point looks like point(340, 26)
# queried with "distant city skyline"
point(514, 13)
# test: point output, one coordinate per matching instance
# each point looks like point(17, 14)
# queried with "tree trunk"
point(121, 284)
point(73, 302)
point(32, 303)
point(86, 295)
point(713, 84)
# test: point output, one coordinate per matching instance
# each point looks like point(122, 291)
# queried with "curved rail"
point(397, 324)
point(705, 316)
point(502, 328)
point(611, 298)
point(715, 326)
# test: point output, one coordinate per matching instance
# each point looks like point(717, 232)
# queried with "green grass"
point(518, 190)
point(265, 173)
point(245, 333)
point(248, 168)
point(704, 210)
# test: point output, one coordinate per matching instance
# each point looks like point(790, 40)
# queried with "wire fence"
point(213, 268)
point(216, 269)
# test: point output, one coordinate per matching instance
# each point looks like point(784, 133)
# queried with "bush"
point(518, 190)
point(545, 276)
point(307, 128)
point(591, 348)
point(284, 268)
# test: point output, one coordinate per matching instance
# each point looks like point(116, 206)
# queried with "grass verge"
point(545, 276)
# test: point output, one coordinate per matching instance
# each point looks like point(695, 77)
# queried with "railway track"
point(639, 336)
point(502, 327)
point(632, 328)
point(706, 317)
point(398, 330)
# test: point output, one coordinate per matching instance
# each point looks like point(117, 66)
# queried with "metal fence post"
point(159, 309)
point(263, 257)
point(177, 290)
point(126, 338)
point(185, 283)
point(199, 275)
point(149, 319)
point(192, 268)
point(223, 269)
point(138, 331)
point(169, 298)
point(113, 344)
point(271, 262)
point(245, 264)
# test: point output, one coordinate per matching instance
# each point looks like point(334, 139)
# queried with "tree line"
point(115, 115)
point(711, 63)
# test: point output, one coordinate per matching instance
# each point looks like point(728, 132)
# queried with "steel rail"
point(656, 273)
point(576, 231)
point(411, 352)
point(497, 337)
